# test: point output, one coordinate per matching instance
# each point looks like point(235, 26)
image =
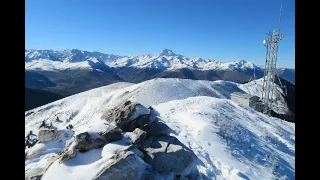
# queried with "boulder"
point(120, 114)
point(166, 154)
point(157, 128)
point(126, 115)
point(153, 175)
point(140, 135)
point(84, 141)
point(46, 135)
point(136, 151)
point(68, 153)
point(65, 156)
point(34, 174)
point(112, 133)
point(139, 122)
point(126, 165)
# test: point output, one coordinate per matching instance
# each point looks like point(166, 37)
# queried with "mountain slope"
point(287, 74)
point(231, 141)
point(36, 80)
point(35, 98)
point(69, 82)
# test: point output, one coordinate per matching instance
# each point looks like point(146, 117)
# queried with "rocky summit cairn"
point(150, 153)
point(112, 133)
point(128, 116)
point(85, 141)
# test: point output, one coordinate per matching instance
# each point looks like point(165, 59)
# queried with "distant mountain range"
point(72, 71)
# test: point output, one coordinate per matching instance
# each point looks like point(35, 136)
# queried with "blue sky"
point(224, 30)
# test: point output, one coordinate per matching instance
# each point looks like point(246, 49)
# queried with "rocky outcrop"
point(46, 135)
point(81, 143)
point(128, 116)
point(140, 135)
point(126, 165)
point(85, 141)
point(34, 174)
point(157, 128)
point(153, 153)
point(65, 156)
point(112, 133)
point(166, 154)
point(38, 172)
point(139, 122)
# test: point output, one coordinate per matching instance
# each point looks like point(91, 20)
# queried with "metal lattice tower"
point(270, 67)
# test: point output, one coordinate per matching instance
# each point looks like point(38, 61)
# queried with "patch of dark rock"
point(139, 122)
point(167, 154)
point(123, 116)
point(85, 141)
point(112, 133)
point(126, 165)
point(157, 128)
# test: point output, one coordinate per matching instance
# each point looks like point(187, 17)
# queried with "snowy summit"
point(167, 52)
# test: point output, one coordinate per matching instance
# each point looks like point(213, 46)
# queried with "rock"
point(112, 133)
point(152, 175)
point(82, 143)
point(177, 177)
point(135, 150)
point(127, 115)
point(126, 165)
point(120, 114)
point(34, 174)
point(201, 176)
point(157, 128)
point(46, 135)
point(140, 136)
point(68, 155)
point(166, 154)
point(139, 122)
point(85, 141)
point(147, 142)
point(139, 111)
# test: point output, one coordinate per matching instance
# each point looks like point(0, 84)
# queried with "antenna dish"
point(264, 42)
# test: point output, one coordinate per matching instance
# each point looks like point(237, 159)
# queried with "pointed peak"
point(75, 50)
point(167, 52)
point(240, 61)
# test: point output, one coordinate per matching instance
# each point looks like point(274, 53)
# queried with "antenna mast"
point(270, 67)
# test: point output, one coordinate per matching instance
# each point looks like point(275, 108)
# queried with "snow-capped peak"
point(167, 52)
point(240, 64)
point(240, 61)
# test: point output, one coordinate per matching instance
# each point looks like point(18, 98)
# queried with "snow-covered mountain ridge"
point(165, 60)
point(230, 141)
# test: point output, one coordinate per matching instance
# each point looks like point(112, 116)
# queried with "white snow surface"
point(231, 141)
